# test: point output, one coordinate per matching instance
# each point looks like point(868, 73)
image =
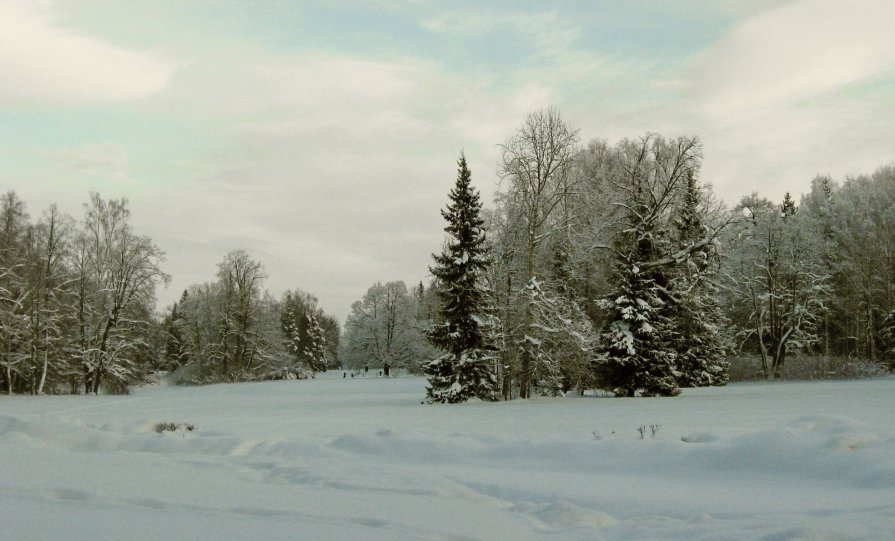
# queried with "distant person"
point(344, 375)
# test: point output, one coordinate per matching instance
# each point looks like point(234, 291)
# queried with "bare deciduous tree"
point(538, 163)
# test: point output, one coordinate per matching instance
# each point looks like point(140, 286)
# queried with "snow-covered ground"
point(362, 459)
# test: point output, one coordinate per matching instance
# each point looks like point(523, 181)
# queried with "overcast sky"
point(321, 136)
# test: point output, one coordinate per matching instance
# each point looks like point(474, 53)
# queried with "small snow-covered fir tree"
point(636, 342)
point(465, 370)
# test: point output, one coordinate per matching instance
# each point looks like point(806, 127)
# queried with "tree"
point(865, 270)
point(50, 303)
point(700, 334)
point(776, 280)
point(381, 328)
point(314, 346)
point(538, 161)
point(175, 328)
point(14, 290)
point(464, 371)
point(819, 211)
point(240, 278)
point(292, 338)
point(117, 272)
point(642, 333)
point(887, 338)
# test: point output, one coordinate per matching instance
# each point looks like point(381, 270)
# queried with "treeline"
point(233, 330)
point(77, 300)
point(614, 267)
point(386, 328)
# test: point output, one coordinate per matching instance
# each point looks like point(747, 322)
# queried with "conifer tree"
point(315, 345)
point(175, 344)
point(637, 342)
point(464, 371)
point(637, 347)
point(788, 207)
point(290, 330)
point(699, 338)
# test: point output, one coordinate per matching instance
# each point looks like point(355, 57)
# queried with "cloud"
point(106, 161)
point(43, 63)
point(797, 51)
point(331, 169)
point(546, 33)
point(793, 91)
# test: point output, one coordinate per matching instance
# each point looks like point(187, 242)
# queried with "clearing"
point(361, 458)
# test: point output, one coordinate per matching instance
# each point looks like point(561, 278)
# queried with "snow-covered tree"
point(314, 346)
point(641, 334)
point(538, 162)
point(777, 284)
point(563, 351)
point(14, 290)
point(116, 273)
point(887, 339)
point(240, 279)
point(382, 328)
point(700, 327)
point(291, 337)
point(465, 371)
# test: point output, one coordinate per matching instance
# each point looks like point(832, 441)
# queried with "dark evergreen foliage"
point(636, 344)
point(699, 338)
point(464, 371)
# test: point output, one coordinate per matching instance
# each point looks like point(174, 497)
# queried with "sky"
point(322, 136)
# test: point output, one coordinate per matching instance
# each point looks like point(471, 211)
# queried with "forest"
point(613, 267)
point(77, 301)
point(599, 266)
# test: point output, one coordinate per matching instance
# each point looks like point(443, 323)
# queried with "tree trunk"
point(525, 372)
point(43, 375)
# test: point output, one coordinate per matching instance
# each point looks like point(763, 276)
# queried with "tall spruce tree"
point(637, 346)
point(315, 344)
point(464, 371)
point(291, 338)
point(700, 339)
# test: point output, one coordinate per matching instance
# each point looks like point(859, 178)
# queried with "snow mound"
point(566, 515)
point(806, 534)
point(822, 448)
point(698, 437)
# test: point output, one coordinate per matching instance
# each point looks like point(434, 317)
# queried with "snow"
point(361, 458)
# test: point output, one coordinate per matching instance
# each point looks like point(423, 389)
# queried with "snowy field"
point(362, 459)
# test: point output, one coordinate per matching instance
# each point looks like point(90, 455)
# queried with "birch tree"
point(538, 163)
point(117, 273)
point(778, 286)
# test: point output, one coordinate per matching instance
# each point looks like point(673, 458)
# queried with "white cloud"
point(106, 161)
point(328, 168)
point(797, 51)
point(546, 33)
point(42, 62)
point(792, 92)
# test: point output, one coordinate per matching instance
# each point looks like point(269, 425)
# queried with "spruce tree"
point(315, 345)
point(788, 207)
point(636, 344)
point(699, 340)
point(463, 372)
point(292, 340)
